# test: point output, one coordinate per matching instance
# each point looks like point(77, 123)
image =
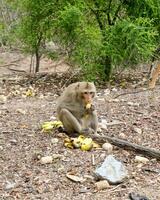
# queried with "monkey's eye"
point(85, 92)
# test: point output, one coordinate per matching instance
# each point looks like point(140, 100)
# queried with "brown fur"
point(71, 108)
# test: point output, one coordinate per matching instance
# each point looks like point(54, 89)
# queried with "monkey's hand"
point(88, 131)
point(90, 108)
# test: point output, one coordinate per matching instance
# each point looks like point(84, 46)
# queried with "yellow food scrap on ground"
point(85, 144)
point(48, 126)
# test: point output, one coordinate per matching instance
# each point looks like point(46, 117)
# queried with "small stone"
point(13, 141)
point(75, 178)
point(115, 100)
point(103, 124)
point(114, 90)
point(61, 135)
point(108, 147)
point(58, 156)
point(46, 160)
point(3, 98)
point(130, 103)
point(107, 91)
point(84, 190)
point(53, 118)
point(41, 96)
point(138, 130)
point(9, 185)
point(122, 135)
point(21, 111)
point(54, 140)
point(140, 165)
point(99, 130)
point(141, 159)
point(89, 177)
point(1, 148)
point(101, 185)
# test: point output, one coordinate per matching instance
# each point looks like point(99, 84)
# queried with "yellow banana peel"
point(76, 143)
point(87, 144)
point(48, 126)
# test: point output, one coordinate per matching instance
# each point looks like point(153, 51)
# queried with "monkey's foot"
point(87, 131)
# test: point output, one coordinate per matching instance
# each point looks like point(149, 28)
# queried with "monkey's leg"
point(70, 123)
point(90, 123)
point(94, 121)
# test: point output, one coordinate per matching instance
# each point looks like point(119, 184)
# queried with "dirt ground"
point(23, 177)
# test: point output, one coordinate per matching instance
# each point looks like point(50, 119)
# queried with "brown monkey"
point(73, 110)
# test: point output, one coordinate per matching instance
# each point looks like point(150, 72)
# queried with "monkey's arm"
point(75, 125)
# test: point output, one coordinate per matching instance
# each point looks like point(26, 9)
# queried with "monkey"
point(75, 109)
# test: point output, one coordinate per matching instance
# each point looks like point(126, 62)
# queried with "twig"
point(93, 160)
point(11, 63)
point(16, 70)
point(135, 92)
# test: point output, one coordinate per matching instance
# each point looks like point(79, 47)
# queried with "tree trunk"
point(37, 60)
point(107, 67)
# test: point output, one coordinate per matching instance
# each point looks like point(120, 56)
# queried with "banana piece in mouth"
point(88, 105)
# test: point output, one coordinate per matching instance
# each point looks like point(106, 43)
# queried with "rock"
point(58, 156)
point(107, 91)
point(9, 185)
point(108, 147)
point(115, 100)
point(89, 177)
point(141, 159)
point(75, 178)
point(132, 104)
point(138, 130)
point(134, 196)
point(52, 118)
point(1, 148)
point(13, 141)
point(3, 98)
point(83, 190)
point(21, 111)
point(112, 170)
point(54, 140)
point(122, 135)
point(103, 124)
point(114, 90)
point(46, 160)
point(101, 185)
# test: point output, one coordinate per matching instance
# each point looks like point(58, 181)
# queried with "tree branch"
point(128, 145)
point(108, 13)
point(116, 14)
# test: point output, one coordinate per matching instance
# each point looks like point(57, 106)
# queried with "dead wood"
point(12, 62)
point(16, 70)
point(128, 145)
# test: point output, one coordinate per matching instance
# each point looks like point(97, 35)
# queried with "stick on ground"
point(128, 145)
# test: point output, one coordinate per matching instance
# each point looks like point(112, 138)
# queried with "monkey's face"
point(88, 96)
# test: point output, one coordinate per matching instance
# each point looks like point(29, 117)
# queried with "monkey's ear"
point(77, 86)
point(87, 85)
